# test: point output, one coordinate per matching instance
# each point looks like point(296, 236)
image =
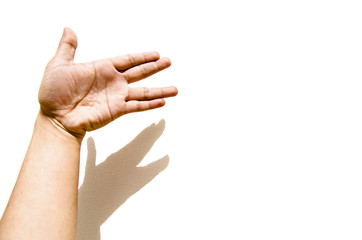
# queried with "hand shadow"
point(108, 185)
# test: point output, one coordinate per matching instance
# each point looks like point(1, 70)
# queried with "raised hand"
point(82, 97)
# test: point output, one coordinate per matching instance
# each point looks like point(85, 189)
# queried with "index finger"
point(122, 63)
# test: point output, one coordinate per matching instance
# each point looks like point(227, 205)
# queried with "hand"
point(86, 96)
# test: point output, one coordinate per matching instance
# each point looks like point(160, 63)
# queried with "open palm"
point(86, 96)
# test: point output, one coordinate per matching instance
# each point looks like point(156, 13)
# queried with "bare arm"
point(74, 99)
point(43, 204)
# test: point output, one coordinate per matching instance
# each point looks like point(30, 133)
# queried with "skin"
point(74, 98)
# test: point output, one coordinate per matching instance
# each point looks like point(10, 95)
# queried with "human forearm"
point(43, 204)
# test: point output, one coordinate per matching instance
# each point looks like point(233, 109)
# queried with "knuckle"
point(131, 59)
point(139, 106)
point(143, 71)
point(146, 93)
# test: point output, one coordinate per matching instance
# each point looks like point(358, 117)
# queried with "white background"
point(264, 140)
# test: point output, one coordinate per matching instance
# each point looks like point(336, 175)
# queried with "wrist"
point(55, 128)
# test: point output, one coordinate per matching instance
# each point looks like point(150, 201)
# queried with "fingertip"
point(151, 56)
point(162, 102)
point(163, 63)
point(67, 29)
point(69, 37)
point(170, 91)
point(175, 91)
point(166, 59)
point(156, 54)
point(157, 103)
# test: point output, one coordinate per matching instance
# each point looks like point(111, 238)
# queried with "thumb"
point(67, 45)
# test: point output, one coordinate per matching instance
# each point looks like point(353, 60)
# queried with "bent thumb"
point(67, 45)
